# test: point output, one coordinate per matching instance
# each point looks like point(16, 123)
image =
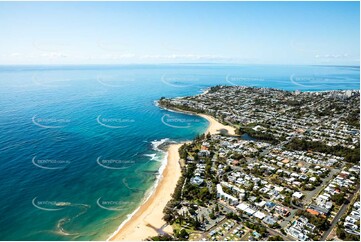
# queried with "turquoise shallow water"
point(78, 144)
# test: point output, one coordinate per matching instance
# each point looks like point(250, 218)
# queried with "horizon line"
point(180, 63)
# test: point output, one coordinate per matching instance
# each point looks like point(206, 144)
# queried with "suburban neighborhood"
point(291, 173)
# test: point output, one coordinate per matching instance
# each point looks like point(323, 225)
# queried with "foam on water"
point(149, 193)
point(152, 156)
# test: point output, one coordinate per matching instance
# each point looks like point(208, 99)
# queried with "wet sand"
point(148, 218)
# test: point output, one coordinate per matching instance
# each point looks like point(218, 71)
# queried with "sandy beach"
point(215, 127)
point(148, 219)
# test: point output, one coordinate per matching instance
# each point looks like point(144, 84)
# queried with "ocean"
point(79, 145)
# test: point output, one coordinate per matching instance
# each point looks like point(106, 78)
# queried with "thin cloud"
point(332, 56)
point(54, 55)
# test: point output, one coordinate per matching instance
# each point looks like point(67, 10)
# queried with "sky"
point(321, 33)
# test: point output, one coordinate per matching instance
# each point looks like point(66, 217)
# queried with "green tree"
point(275, 238)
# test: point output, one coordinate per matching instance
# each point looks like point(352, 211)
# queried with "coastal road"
point(340, 213)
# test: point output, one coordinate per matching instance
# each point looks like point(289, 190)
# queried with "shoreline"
point(213, 127)
point(147, 219)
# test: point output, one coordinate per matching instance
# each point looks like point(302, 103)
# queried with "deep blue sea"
point(78, 144)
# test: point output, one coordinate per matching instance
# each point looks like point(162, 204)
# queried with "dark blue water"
point(78, 144)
